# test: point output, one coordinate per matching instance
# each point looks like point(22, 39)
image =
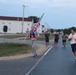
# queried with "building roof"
point(15, 18)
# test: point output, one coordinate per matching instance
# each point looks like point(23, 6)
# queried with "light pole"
point(23, 17)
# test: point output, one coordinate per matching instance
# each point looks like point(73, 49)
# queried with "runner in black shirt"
point(47, 35)
point(56, 38)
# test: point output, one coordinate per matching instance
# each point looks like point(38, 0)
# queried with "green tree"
point(35, 18)
point(51, 30)
point(68, 30)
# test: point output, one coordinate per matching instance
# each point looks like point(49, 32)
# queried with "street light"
point(23, 17)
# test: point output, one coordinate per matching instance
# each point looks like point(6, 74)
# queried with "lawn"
point(39, 38)
point(13, 36)
point(42, 38)
point(8, 49)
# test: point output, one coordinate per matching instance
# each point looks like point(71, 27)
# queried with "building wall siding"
point(15, 26)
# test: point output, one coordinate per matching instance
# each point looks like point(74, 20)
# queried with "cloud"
point(3, 1)
point(63, 3)
point(42, 3)
point(53, 3)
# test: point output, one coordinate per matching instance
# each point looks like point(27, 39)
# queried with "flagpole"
point(36, 25)
point(40, 18)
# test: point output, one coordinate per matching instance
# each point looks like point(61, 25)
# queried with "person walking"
point(27, 32)
point(56, 38)
point(33, 36)
point(47, 35)
point(72, 39)
point(64, 37)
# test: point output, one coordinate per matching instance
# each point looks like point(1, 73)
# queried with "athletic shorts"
point(63, 40)
point(73, 46)
point(56, 40)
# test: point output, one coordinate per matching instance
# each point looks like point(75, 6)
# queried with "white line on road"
point(39, 61)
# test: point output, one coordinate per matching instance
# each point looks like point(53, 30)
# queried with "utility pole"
point(23, 18)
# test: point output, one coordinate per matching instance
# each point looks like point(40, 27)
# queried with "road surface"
point(59, 61)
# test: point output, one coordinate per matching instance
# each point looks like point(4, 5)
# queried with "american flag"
point(36, 25)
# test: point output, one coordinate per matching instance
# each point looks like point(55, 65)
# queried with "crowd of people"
point(33, 34)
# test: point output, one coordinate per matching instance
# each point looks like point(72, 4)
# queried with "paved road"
point(59, 61)
point(17, 66)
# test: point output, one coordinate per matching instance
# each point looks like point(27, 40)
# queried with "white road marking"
point(39, 61)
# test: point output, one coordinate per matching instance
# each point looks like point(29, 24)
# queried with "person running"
point(33, 36)
point(72, 39)
point(64, 37)
point(56, 38)
point(47, 35)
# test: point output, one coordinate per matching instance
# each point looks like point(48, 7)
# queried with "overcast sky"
point(58, 13)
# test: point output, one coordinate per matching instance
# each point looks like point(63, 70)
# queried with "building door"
point(5, 28)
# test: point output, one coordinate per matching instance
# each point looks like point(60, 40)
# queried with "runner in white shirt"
point(72, 39)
